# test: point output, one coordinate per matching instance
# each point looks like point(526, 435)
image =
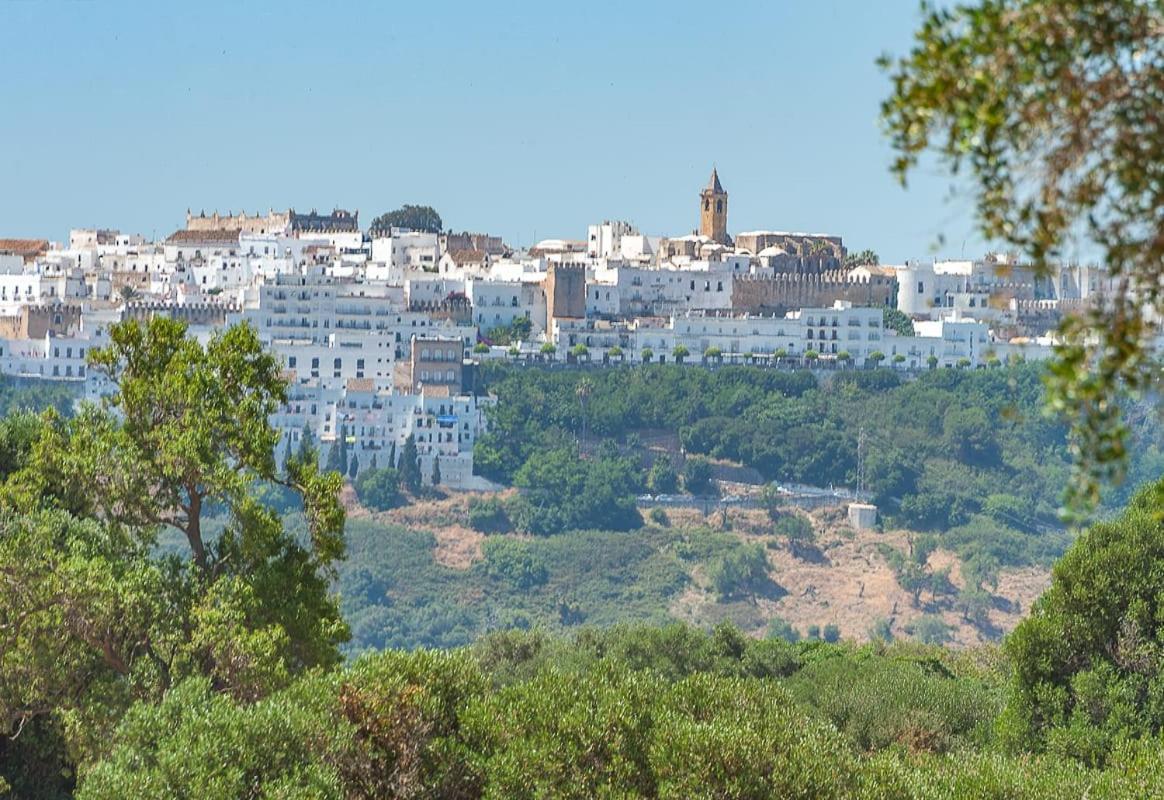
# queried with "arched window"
point(719, 206)
point(706, 204)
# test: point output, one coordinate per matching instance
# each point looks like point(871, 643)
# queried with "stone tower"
point(713, 210)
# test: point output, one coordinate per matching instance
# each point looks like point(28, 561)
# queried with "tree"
point(1047, 107)
point(740, 572)
point(713, 353)
point(831, 633)
point(436, 471)
point(811, 355)
point(932, 361)
point(647, 354)
point(103, 616)
point(562, 492)
point(865, 258)
point(844, 356)
point(379, 489)
point(409, 466)
point(897, 321)
point(661, 479)
point(680, 352)
point(1088, 671)
point(615, 352)
point(548, 349)
point(354, 466)
point(580, 352)
point(930, 629)
point(697, 475)
point(782, 629)
point(488, 516)
point(969, 433)
point(423, 219)
point(480, 347)
point(307, 451)
point(876, 357)
point(773, 501)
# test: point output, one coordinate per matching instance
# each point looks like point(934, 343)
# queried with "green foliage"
point(561, 492)
point(831, 633)
point(697, 475)
point(409, 466)
point(661, 479)
point(794, 527)
point(864, 258)
point(379, 489)
point(95, 614)
point(783, 630)
point(1039, 105)
point(743, 571)
point(514, 562)
point(901, 697)
point(1087, 659)
point(416, 218)
point(659, 517)
point(396, 594)
point(930, 629)
point(897, 321)
point(512, 334)
point(488, 515)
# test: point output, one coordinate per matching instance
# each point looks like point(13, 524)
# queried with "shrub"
point(488, 515)
point(743, 571)
point(697, 475)
point(794, 527)
point(782, 629)
point(831, 633)
point(514, 562)
point(930, 629)
point(662, 478)
point(660, 518)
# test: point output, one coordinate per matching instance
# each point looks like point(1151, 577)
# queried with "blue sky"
point(523, 119)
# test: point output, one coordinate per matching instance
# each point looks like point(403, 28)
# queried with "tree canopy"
point(424, 219)
point(114, 588)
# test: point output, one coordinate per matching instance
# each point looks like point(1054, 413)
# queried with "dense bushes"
point(560, 491)
point(627, 712)
point(379, 489)
point(952, 449)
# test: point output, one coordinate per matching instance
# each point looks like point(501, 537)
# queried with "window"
point(450, 376)
point(921, 287)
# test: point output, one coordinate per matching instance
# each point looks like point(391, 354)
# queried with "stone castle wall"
point(790, 291)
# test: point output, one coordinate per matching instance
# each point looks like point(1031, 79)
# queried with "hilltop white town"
point(380, 329)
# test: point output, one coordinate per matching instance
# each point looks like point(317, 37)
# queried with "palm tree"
point(128, 293)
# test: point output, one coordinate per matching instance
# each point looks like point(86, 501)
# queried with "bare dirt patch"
point(849, 583)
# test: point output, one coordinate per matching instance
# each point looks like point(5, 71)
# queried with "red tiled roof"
point(468, 256)
point(23, 247)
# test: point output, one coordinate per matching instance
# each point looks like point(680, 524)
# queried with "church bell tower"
point(713, 210)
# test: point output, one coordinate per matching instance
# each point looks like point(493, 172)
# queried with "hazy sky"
point(523, 119)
